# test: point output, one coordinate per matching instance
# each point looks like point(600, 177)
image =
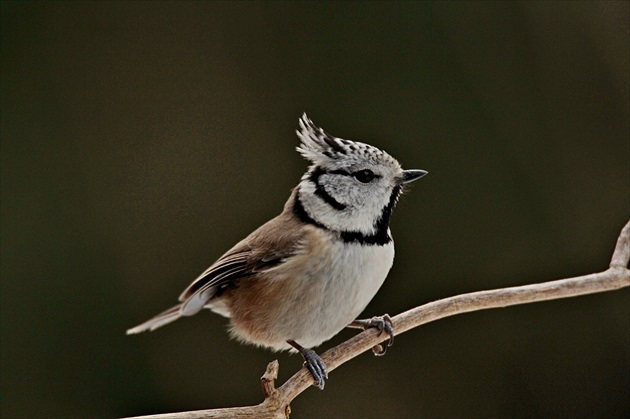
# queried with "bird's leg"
point(383, 324)
point(313, 362)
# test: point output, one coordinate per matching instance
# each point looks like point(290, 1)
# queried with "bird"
point(302, 277)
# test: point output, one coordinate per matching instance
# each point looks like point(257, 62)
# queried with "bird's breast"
point(342, 283)
point(357, 272)
point(316, 293)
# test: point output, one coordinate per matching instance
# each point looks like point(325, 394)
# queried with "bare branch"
point(277, 401)
point(268, 380)
point(622, 249)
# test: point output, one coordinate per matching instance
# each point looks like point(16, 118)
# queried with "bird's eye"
point(364, 176)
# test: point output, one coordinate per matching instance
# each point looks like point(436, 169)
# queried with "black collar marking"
point(380, 237)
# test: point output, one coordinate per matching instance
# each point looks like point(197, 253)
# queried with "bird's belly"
point(310, 298)
point(339, 296)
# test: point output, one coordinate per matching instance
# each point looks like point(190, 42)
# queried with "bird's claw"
point(316, 366)
point(383, 323)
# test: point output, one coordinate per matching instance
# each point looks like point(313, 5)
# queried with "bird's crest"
point(318, 145)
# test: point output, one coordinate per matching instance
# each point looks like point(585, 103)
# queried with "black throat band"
point(380, 237)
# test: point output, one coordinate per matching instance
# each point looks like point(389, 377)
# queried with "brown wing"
point(267, 247)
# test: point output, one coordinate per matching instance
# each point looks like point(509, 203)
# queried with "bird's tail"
point(160, 320)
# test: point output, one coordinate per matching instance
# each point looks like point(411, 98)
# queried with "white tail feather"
point(160, 320)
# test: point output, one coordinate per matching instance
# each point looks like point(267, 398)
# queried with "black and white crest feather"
point(319, 147)
point(317, 144)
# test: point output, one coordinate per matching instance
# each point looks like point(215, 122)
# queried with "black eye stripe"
point(340, 172)
point(320, 191)
point(354, 174)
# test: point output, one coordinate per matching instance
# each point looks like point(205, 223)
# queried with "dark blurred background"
point(141, 140)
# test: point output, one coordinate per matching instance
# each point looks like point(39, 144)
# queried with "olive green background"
point(142, 140)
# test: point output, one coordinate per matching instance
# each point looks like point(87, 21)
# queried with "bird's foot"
point(313, 363)
point(383, 324)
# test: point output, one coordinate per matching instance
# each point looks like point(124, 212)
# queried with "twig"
point(277, 401)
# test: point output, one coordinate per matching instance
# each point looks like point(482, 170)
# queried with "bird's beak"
point(411, 175)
